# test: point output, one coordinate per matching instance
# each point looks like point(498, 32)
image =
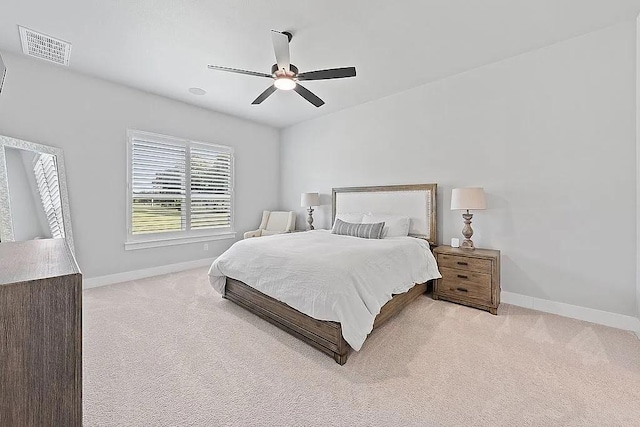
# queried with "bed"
point(329, 290)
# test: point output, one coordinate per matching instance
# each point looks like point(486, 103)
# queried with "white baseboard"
point(592, 315)
point(94, 282)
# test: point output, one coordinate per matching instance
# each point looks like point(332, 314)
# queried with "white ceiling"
point(164, 46)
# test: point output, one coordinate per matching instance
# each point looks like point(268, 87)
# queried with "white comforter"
point(327, 276)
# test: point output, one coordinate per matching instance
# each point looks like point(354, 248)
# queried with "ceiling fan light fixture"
point(284, 83)
point(285, 76)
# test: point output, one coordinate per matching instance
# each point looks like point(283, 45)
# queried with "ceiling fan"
point(285, 75)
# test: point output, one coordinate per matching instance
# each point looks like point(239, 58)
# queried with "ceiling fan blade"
point(281, 49)
point(264, 95)
point(333, 73)
point(308, 95)
point(239, 71)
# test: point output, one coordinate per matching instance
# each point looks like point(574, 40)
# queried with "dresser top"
point(35, 259)
point(473, 253)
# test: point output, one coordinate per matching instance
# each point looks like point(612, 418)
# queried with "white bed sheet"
point(327, 276)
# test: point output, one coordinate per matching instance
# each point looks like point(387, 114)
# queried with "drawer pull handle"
point(462, 290)
point(462, 276)
point(462, 263)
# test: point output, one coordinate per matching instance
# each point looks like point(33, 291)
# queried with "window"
point(179, 191)
point(46, 173)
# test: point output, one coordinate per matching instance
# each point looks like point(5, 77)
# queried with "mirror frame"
point(6, 221)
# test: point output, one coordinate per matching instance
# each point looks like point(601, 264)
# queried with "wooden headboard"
point(417, 201)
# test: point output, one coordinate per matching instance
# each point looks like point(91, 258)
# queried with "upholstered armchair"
point(274, 223)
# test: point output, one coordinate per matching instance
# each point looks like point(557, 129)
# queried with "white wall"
point(88, 119)
point(550, 135)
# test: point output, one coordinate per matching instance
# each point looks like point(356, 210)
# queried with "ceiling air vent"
point(45, 47)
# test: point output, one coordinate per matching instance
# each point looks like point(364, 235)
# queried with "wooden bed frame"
point(326, 335)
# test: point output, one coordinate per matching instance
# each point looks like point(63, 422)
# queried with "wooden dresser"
point(40, 334)
point(469, 277)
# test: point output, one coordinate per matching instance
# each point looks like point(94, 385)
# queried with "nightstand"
point(469, 277)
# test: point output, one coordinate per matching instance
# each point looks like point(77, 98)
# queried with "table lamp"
point(467, 199)
point(308, 200)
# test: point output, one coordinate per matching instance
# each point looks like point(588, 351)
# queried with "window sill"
point(172, 241)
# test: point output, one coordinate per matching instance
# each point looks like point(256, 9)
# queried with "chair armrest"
point(254, 233)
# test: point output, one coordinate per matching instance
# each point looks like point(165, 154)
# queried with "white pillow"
point(394, 225)
point(352, 217)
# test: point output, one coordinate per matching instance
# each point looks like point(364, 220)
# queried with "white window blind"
point(179, 187)
point(46, 173)
point(210, 188)
point(158, 185)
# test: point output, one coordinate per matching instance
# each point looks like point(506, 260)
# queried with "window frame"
point(153, 240)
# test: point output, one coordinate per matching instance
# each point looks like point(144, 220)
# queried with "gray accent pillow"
point(366, 231)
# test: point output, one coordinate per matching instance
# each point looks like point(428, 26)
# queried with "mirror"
point(34, 203)
point(3, 73)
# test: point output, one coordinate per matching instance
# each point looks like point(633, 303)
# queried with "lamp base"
point(310, 219)
point(467, 232)
point(467, 244)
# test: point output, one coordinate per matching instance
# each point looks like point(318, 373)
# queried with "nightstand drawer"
point(461, 276)
point(465, 289)
point(465, 263)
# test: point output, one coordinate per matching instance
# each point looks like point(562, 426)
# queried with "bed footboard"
point(323, 335)
point(326, 336)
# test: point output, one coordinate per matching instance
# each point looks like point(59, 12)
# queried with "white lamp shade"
point(468, 198)
point(309, 199)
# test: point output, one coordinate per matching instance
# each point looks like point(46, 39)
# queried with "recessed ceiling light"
point(197, 91)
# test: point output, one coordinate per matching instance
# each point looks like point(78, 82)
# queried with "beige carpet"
point(168, 351)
